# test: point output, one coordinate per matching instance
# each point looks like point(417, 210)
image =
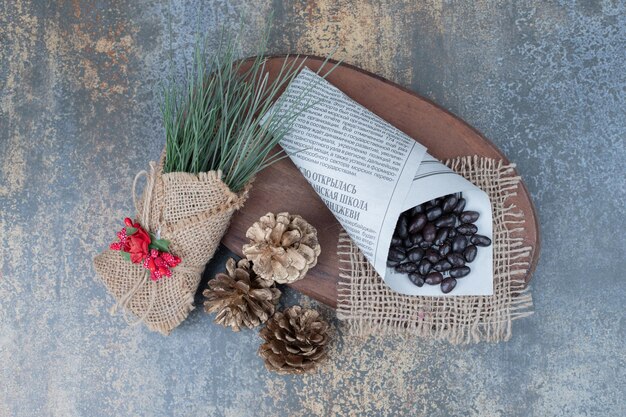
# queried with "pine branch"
point(212, 118)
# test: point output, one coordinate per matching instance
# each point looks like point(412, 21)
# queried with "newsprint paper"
point(368, 172)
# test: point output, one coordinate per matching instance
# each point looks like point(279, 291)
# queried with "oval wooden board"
point(281, 187)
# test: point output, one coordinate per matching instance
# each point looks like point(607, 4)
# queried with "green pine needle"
point(213, 117)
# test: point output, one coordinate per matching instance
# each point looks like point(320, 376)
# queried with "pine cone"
point(239, 297)
point(282, 247)
point(295, 341)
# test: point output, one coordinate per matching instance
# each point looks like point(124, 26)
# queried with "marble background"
point(79, 116)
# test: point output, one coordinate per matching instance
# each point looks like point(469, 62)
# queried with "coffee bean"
point(460, 271)
point(432, 255)
point(469, 216)
point(416, 279)
point(416, 239)
point(460, 205)
point(407, 243)
point(470, 253)
point(424, 244)
point(441, 237)
point(396, 254)
point(417, 223)
point(416, 210)
point(434, 278)
point(456, 259)
point(480, 240)
point(396, 240)
point(442, 266)
point(429, 231)
point(402, 227)
point(391, 263)
point(406, 267)
point(448, 285)
point(434, 213)
point(452, 233)
point(446, 220)
point(449, 203)
point(445, 249)
point(459, 244)
point(415, 254)
point(467, 229)
point(424, 267)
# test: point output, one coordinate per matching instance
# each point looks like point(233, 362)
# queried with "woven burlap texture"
point(369, 307)
point(192, 212)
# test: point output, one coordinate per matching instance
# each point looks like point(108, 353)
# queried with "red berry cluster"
point(159, 264)
point(139, 246)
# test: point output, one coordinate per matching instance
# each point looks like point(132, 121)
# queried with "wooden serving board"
point(281, 187)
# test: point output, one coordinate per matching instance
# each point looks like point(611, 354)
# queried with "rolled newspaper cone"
point(368, 172)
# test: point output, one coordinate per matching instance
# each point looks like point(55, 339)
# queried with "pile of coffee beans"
point(434, 242)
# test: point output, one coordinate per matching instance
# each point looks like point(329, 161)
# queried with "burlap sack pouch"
point(370, 307)
point(193, 213)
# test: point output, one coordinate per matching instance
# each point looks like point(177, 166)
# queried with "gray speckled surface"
point(79, 115)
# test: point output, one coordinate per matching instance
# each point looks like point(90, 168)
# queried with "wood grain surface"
point(281, 187)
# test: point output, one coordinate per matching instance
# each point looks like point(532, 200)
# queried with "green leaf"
point(130, 230)
point(125, 255)
point(159, 244)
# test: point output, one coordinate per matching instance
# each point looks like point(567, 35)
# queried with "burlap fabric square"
point(192, 211)
point(369, 307)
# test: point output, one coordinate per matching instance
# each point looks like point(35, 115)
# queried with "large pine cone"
point(240, 297)
point(295, 341)
point(282, 247)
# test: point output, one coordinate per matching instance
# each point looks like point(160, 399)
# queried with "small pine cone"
point(282, 247)
point(240, 297)
point(295, 341)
